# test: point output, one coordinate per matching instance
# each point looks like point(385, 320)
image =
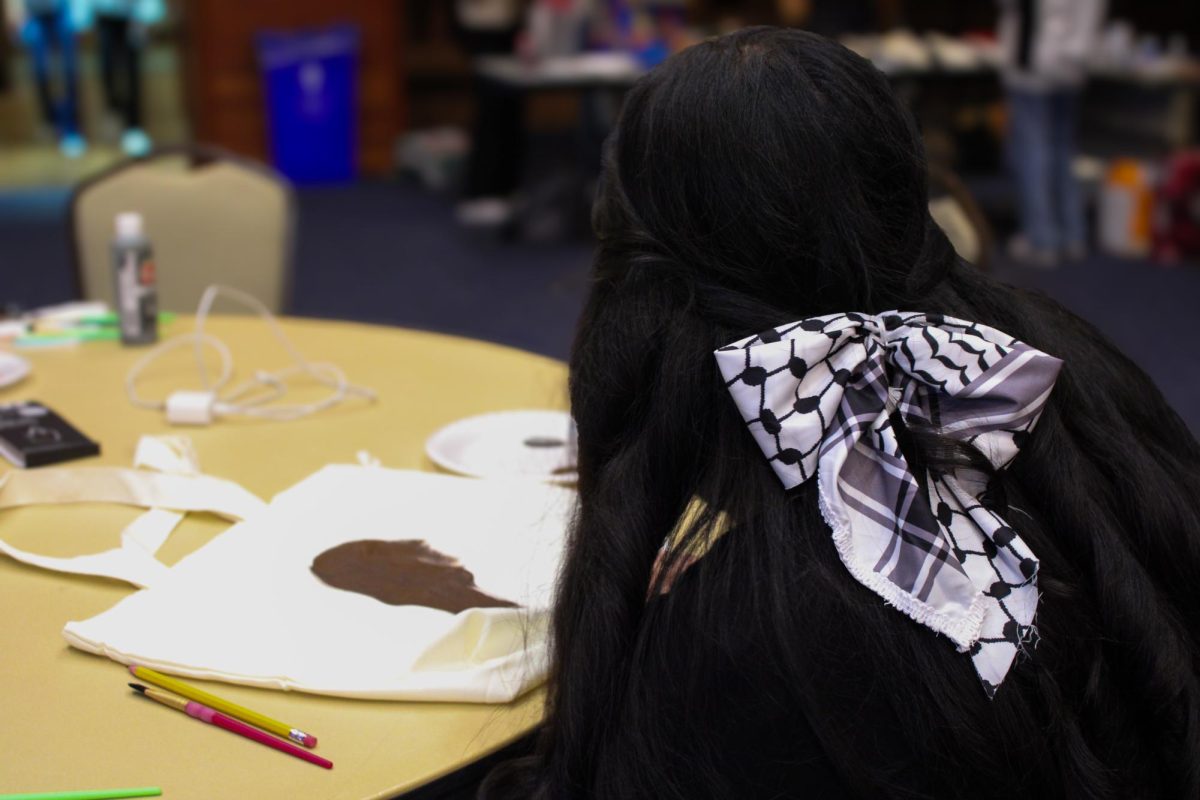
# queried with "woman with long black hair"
point(856, 520)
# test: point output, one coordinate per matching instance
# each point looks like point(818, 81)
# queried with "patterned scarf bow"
point(820, 395)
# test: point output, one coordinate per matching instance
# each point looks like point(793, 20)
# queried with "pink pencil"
point(206, 714)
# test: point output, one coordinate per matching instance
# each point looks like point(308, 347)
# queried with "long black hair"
point(753, 180)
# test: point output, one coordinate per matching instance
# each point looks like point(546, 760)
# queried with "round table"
point(69, 722)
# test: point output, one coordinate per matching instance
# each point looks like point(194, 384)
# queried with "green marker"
point(112, 319)
point(88, 794)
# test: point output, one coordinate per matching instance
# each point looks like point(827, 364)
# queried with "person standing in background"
point(490, 27)
point(5, 55)
point(1045, 45)
point(48, 28)
point(122, 28)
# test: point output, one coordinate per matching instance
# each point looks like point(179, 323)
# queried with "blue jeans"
point(1041, 148)
point(46, 33)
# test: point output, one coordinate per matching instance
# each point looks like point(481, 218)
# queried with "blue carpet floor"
point(391, 253)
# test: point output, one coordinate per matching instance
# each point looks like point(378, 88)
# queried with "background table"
point(68, 719)
point(581, 71)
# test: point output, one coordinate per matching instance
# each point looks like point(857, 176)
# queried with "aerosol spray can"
point(136, 296)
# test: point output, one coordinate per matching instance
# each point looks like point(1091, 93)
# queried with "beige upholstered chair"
point(211, 218)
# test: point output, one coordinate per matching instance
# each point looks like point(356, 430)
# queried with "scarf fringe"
point(964, 631)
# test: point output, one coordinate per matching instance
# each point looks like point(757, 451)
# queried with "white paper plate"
point(539, 445)
point(13, 368)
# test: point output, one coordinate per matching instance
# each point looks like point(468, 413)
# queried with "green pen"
point(88, 794)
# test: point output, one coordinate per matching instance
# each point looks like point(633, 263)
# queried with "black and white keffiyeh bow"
point(818, 396)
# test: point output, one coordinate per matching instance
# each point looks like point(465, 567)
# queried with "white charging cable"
point(255, 397)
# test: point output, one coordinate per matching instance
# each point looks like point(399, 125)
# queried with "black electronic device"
point(31, 435)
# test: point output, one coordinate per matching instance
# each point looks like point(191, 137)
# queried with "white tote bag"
point(247, 607)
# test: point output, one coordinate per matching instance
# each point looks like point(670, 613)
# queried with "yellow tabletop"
point(67, 719)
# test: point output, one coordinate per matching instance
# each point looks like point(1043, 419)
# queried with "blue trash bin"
point(310, 80)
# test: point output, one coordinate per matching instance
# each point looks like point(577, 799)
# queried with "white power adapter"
point(190, 407)
point(254, 398)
